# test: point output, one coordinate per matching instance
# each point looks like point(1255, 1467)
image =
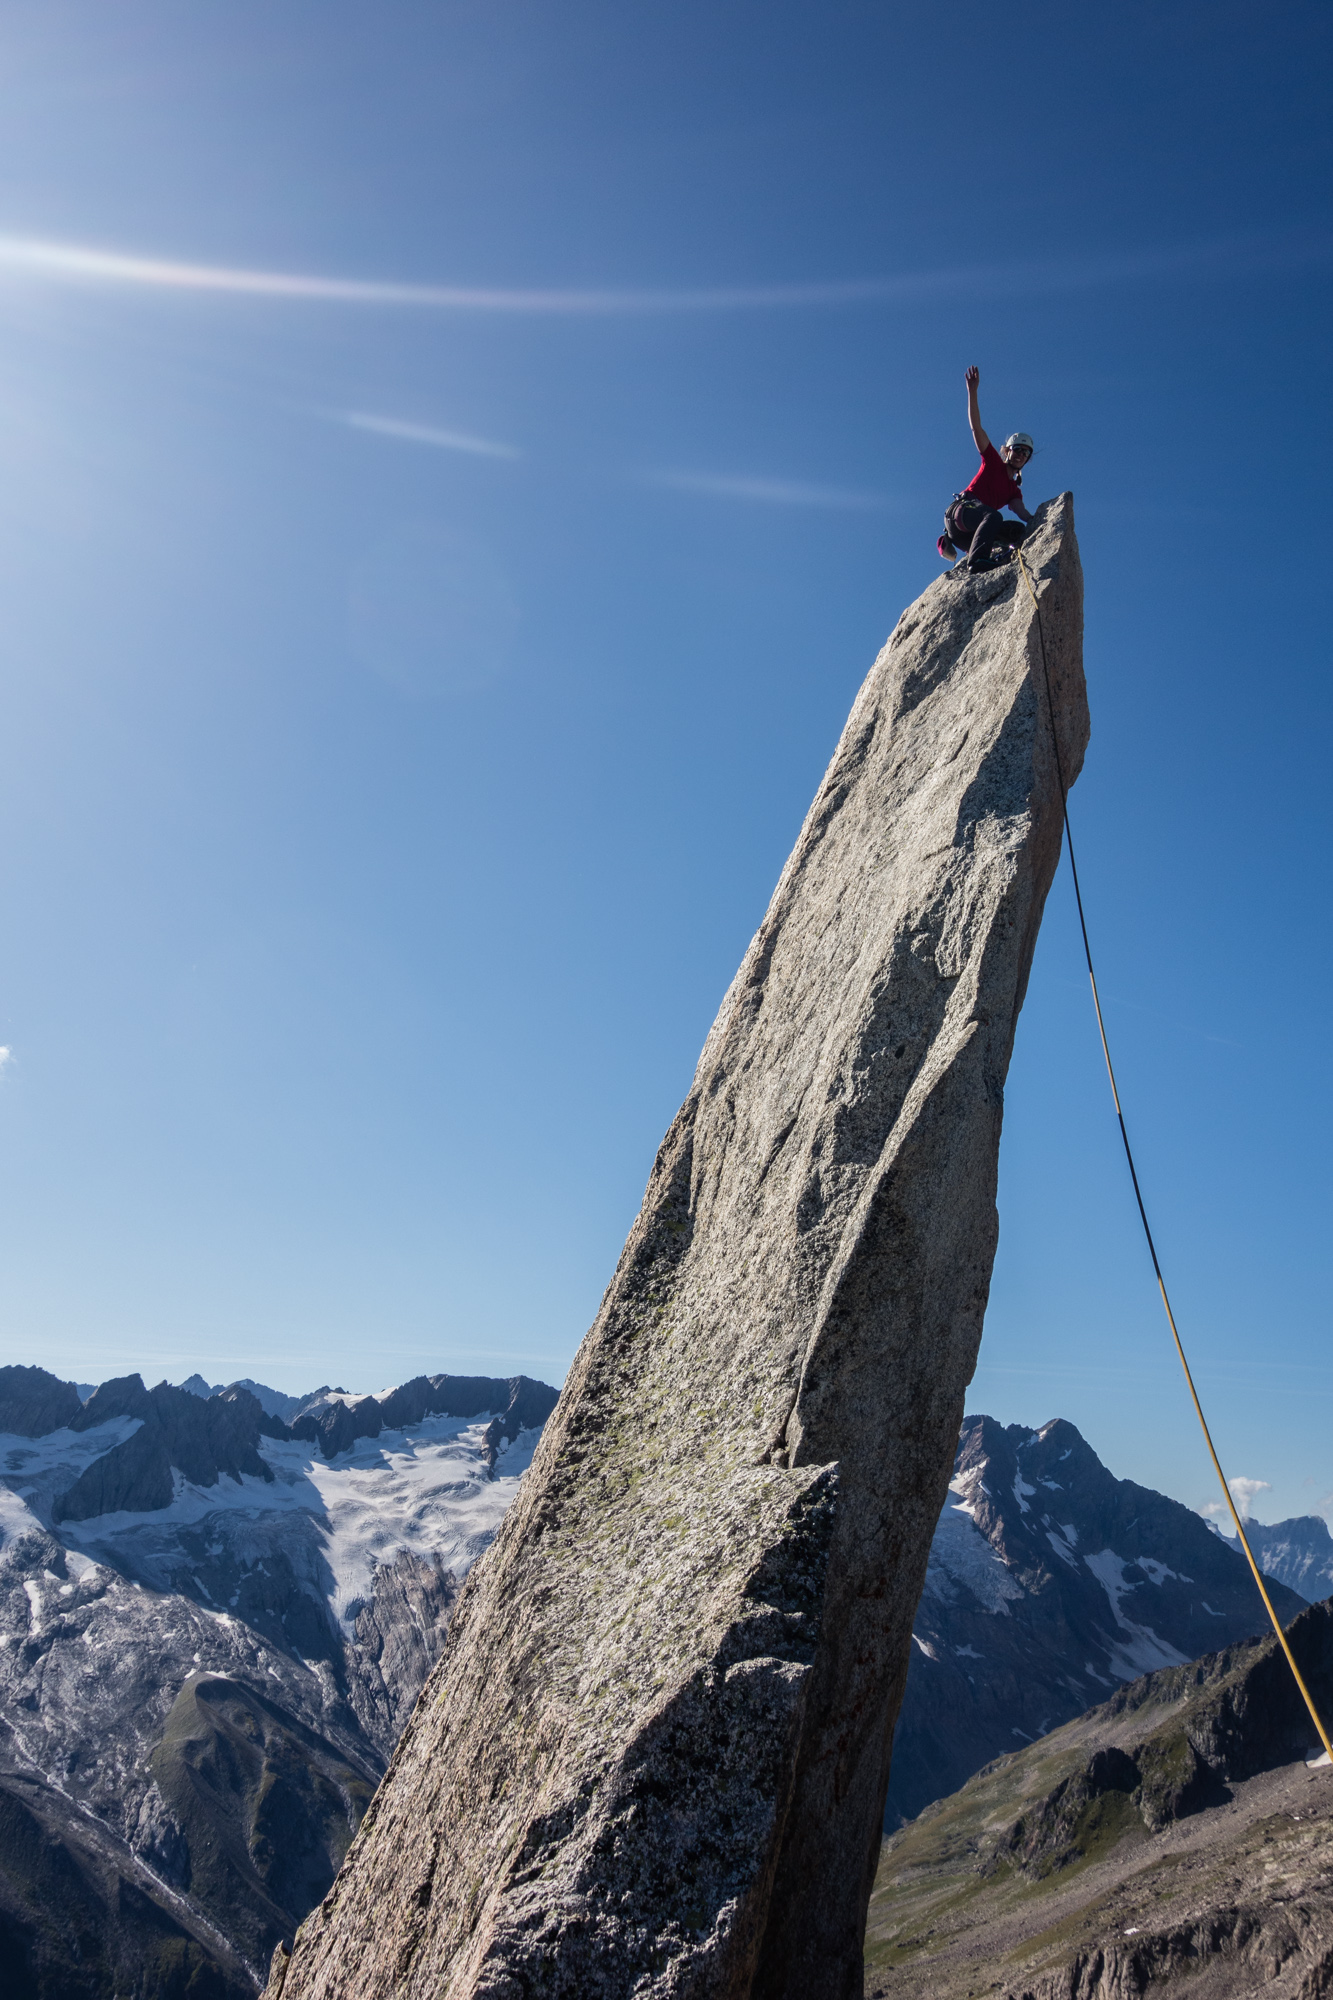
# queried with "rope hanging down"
point(1138, 1195)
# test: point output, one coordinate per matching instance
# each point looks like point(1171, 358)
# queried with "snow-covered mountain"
point(1298, 1553)
point(1050, 1581)
point(211, 1633)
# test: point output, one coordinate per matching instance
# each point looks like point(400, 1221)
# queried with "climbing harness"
point(1138, 1195)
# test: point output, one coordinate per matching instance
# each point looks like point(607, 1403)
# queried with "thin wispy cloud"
point(1233, 256)
point(6, 1057)
point(767, 492)
point(430, 434)
point(81, 264)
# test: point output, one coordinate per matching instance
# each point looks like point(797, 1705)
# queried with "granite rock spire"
point(653, 1757)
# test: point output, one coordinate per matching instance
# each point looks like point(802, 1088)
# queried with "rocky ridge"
point(171, 1432)
point(668, 1776)
point(1177, 1837)
point(33, 1402)
point(335, 1420)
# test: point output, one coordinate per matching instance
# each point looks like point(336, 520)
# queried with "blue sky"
point(414, 680)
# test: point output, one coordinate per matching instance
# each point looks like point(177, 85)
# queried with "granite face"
point(654, 1755)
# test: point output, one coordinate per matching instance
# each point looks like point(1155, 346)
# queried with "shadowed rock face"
point(176, 1430)
point(1298, 1552)
point(654, 1754)
point(33, 1402)
point(1050, 1580)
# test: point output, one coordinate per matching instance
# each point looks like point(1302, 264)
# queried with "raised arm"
point(979, 437)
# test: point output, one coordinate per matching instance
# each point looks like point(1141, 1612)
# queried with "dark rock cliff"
point(1049, 1581)
point(515, 1405)
point(176, 1431)
point(1298, 1552)
point(33, 1402)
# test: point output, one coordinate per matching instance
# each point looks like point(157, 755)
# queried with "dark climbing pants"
point(988, 529)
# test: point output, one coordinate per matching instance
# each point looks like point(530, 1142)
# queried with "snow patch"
point(966, 1485)
point(961, 1558)
point(1158, 1572)
point(426, 1488)
point(1140, 1650)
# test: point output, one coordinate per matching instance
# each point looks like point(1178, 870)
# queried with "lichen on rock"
point(652, 1759)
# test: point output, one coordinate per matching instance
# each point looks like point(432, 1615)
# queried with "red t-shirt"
point(995, 485)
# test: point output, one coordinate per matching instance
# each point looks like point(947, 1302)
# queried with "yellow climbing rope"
point(1138, 1196)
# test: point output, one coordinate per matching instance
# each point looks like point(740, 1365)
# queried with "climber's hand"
point(979, 438)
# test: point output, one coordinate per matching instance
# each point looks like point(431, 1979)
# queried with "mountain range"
point(213, 1626)
point(218, 1604)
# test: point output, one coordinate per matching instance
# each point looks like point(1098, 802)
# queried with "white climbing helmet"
point(1022, 440)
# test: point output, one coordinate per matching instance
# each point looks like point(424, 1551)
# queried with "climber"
point(973, 520)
